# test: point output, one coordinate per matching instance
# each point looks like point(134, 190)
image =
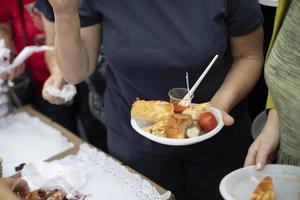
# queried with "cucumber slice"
point(193, 132)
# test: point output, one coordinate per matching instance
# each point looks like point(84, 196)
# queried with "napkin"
point(67, 92)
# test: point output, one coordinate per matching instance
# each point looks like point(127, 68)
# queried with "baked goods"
point(177, 125)
point(163, 121)
point(264, 190)
point(157, 129)
point(46, 194)
point(151, 111)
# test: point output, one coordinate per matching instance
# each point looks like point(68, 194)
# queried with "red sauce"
point(178, 107)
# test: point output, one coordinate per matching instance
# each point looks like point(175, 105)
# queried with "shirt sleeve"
point(45, 8)
point(88, 13)
point(5, 14)
point(244, 17)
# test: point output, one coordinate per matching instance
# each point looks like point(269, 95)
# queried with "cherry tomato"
point(207, 121)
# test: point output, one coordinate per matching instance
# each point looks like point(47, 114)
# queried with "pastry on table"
point(177, 125)
point(151, 111)
point(46, 194)
point(264, 190)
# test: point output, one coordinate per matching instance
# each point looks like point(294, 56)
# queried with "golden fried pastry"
point(46, 194)
point(195, 110)
point(157, 129)
point(264, 190)
point(177, 125)
point(151, 111)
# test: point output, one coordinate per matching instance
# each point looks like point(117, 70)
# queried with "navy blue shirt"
point(150, 44)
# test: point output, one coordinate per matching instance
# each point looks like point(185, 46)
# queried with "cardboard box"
point(75, 149)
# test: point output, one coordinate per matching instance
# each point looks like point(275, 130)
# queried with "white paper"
point(67, 92)
point(23, 55)
point(101, 177)
point(25, 139)
point(4, 54)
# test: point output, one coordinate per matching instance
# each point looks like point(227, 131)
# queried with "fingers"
point(4, 76)
point(259, 152)
point(18, 186)
point(228, 120)
point(262, 157)
point(51, 99)
point(251, 156)
point(13, 73)
point(20, 69)
point(21, 188)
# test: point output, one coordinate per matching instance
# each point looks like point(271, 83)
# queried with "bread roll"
point(151, 111)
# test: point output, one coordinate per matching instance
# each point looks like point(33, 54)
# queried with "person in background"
point(18, 186)
point(21, 25)
point(280, 137)
point(149, 45)
point(90, 98)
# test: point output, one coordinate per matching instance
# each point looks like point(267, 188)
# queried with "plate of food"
point(158, 121)
point(280, 182)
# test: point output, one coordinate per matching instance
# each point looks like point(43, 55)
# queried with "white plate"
point(241, 183)
point(138, 125)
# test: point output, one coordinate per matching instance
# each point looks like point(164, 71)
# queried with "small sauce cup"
point(176, 98)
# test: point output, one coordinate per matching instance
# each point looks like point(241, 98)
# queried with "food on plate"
point(179, 107)
point(177, 125)
point(163, 121)
point(195, 110)
point(264, 190)
point(157, 129)
point(151, 111)
point(207, 121)
point(46, 194)
point(193, 131)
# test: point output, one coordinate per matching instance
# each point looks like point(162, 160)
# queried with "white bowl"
point(241, 183)
point(138, 125)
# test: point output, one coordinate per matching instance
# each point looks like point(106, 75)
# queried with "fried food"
point(177, 125)
point(151, 111)
point(46, 194)
point(264, 190)
point(157, 129)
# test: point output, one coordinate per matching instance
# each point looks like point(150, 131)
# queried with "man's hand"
point(13, 73)
point(264, 148)
point(58, 82)
point(18, 186)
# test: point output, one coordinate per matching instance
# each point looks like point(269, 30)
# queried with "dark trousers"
point(193, 173)
point(64, 115)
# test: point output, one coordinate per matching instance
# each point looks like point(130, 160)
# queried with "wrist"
point(69, 14)
point(222, 101)
point(58, 80)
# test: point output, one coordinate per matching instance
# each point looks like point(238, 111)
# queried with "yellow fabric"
point(280, 13)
